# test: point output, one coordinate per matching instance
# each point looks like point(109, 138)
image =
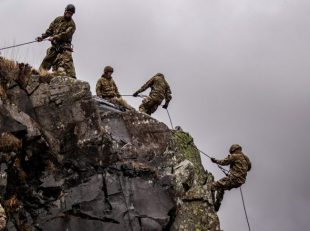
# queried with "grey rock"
point(90, 166)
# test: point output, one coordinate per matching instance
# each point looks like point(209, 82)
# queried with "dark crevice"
point(172, 214)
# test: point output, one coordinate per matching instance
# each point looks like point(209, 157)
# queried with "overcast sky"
point(238, 70)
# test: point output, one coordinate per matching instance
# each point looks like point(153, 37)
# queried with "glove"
point(135, 94)
point(213, 159)
point(165, 106)
point(39, 39)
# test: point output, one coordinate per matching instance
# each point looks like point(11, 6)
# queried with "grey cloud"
point(239, 72)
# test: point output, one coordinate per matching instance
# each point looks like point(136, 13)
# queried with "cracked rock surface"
point(86, 166)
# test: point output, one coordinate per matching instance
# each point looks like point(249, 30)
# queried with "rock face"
point(86, 166)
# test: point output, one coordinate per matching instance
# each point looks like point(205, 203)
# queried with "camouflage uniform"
point(107, 89)
point(3, 218)
point(239, 166)
point(160, 90)
point(2, 93)
point(59, 55)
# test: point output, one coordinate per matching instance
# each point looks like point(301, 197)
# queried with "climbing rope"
point(141, 96)
point(169, 118)
point(225, 171)
point(246, 214)
point(18, 45)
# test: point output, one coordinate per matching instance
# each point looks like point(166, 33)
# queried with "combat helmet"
point(70, 8)
point(234, 147)
point(108, 69)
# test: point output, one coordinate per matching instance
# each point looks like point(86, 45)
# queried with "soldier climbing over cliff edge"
point(59, 55)
point(107, 89)
point(160, 90)
point(240, 164)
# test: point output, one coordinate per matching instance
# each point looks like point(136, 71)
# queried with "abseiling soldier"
point(160, 90)
point(239, 164)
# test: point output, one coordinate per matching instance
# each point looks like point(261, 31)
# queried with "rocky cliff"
point(71, 162)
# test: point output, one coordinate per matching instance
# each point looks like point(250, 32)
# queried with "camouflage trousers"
point(226, 183)
point(149, 105)
point(120, 101)
point(3, 218)
point(2, 93)
point(60, 60)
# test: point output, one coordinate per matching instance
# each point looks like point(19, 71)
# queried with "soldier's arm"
point(66, 35)
point(249, 164)
point(168, 95)
point(228, 160)
point(146, 85)
point(116, 90)
point(50, 30)
point(98, 88)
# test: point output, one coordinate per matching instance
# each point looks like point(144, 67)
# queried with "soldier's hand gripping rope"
point(225, 171)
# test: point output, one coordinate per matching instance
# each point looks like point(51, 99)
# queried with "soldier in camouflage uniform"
point(59, 55)
point(160, 90)
point(239, 166)
point(107, 89)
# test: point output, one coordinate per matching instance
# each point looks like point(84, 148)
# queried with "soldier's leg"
point(144, 105)
point(120, 101)
point(219, 199)
point(49, 59)
point(226, 183)
point(64, 64)
point(148, 105)
point(220, 186)
point(3, 218)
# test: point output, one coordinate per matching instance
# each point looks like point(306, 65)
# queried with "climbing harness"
point(18, 45)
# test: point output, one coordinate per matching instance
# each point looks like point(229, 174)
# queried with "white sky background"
point(239, 72)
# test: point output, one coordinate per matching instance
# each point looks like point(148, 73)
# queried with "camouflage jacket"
point(239, 163)
point(106, 87)
point(61, 29)
point(160, 89)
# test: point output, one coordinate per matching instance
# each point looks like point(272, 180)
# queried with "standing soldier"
point(239, 166)
point(160, 90)
point(59, 55)
point(107, 89)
